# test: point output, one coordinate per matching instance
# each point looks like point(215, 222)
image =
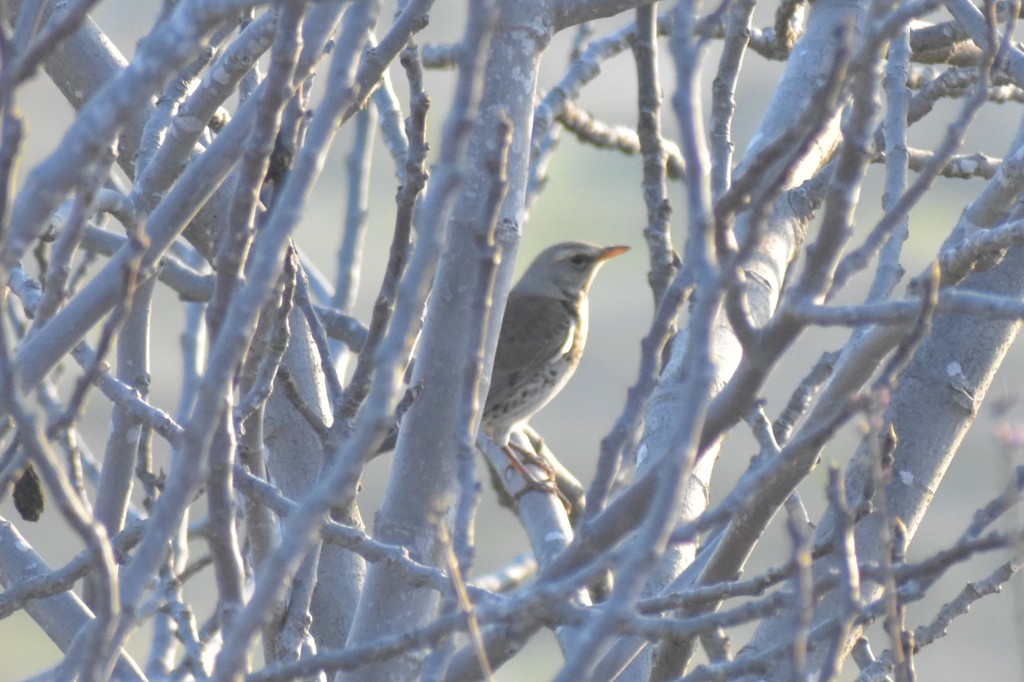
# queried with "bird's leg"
point(567, 483)
point(548, 484)
point(514, 451)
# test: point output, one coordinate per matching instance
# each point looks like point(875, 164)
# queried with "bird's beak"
point(611, 252)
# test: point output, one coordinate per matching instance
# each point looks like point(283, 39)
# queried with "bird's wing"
point(533, 331)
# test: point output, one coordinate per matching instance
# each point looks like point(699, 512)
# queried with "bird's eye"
point(579, 260)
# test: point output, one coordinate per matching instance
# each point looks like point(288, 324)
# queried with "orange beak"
point(611, 252)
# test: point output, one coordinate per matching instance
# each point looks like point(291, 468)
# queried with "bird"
point(540, 343)
point(543, 332)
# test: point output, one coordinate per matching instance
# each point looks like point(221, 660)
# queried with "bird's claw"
point(531, 457)
point(546, 485)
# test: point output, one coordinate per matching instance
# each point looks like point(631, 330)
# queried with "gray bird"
point(542, 334)
point(539, 347)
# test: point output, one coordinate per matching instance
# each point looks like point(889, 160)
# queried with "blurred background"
point(595, 195)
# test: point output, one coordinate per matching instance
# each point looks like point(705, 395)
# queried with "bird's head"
point(566, 269)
